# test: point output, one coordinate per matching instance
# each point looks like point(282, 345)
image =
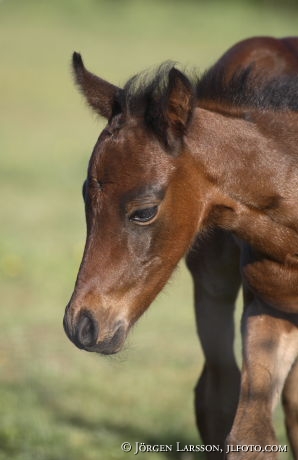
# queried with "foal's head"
point(141, 205)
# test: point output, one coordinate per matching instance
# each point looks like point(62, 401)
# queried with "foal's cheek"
point(139, 244)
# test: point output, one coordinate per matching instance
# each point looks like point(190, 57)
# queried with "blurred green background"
point(56, 402)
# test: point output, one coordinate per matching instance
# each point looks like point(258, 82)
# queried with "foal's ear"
point(177, 108)
point(100, 94)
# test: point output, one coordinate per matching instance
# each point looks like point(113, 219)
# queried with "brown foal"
point(206, 169)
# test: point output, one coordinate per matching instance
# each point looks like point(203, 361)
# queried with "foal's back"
point(270, 56)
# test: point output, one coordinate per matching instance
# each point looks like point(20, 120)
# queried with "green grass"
point(55, 401)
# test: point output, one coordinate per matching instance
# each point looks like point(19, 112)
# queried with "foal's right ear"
point(100, 94)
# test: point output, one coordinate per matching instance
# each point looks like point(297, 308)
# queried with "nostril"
point(87, 331)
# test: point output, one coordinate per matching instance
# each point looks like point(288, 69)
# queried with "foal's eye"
point(142, 216)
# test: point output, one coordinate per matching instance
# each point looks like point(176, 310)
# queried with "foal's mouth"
point(112, 344)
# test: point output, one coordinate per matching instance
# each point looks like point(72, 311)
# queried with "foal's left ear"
point(177, 108)
point(100, 94)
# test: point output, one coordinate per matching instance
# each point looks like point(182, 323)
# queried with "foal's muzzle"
point(85, 332)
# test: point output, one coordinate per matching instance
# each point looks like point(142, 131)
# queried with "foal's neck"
point(237, 157)
point(251, 175)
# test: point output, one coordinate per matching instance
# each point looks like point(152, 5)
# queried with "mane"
point(245, 89)
point(142, 88)
point(248, 89)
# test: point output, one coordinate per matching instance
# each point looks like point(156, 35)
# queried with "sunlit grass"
point(55, 401)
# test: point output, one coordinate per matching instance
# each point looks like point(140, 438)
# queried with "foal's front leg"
point(215, 271)
point(290, 404)
point(270, 347)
